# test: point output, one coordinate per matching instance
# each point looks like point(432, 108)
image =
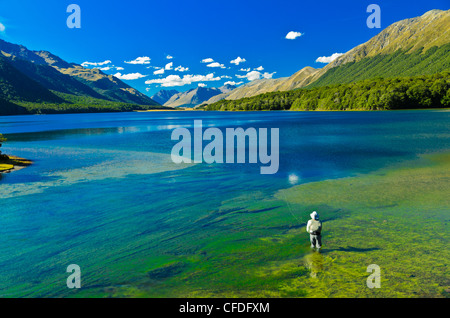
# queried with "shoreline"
point(242, 111)
point(155, 110)
point(329, 110)
point(14, 163)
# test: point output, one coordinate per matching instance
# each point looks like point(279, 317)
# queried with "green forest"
point(26, 88)
point(399, 63)
point(425, 91)
point(81, 104)
point(70, 104)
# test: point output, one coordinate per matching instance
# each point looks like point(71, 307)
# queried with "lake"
point(103, 193)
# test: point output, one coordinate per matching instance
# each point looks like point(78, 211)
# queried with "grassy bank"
point(10, 163)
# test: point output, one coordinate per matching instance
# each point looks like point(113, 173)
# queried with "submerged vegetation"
point(257, 246)
point(425, 91)
point(396, 218)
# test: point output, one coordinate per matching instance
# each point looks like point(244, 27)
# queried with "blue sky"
point(195, 30)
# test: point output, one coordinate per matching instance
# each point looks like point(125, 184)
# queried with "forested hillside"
point(425, 91)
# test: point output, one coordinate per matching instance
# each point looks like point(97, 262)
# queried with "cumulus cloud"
point(181, 69)
point(87, 64)
point(131, 76)
point(292, 35)
point(176, 80)
point(254, 75)
point(233, 83)
point(226, 76)
point(260, 68)
point(140, 60)
point(208, 60)
point(160, 71)
point(168, 66)
point(119, 68)
point(328, 59)
point(201, 85)
point(268, 75)
point(245, 69)
point(2, 27)
point(237, 60)
point(215, 64)
point(169, 57)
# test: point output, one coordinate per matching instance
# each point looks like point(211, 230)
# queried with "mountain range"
point(196, 96)
point(32, 77)
point(40, 82)
point(416, 46)
point(164, 95)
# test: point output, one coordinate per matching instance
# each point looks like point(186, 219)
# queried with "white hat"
point(314, 215)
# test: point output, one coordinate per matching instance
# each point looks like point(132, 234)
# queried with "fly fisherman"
point(314, 228)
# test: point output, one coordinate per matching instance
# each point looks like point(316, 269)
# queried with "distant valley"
point(192, 97)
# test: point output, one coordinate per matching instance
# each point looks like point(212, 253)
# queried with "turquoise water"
point(103, 192)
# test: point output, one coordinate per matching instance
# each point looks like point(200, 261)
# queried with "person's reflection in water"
point(314, 262)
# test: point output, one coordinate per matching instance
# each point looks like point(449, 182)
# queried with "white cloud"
point(201, 85)
point(233, 83)
point(208, 60)
point(268, 75)
point(131, 76)
point(104, 68)
point(254, 75)
point(226, 76)
point(245, 69)
point(292, 35)
point(2, 27)
point(140, 60)
point(237, 60)
point(328, 59)
point(181, 69)
point(176, 80)
point(215, 64)
point(86, 64)
point(169, 57)
point(160, 71)
point(260, 68)
point(168, 66)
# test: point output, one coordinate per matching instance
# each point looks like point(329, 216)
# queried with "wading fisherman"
point(314, 228)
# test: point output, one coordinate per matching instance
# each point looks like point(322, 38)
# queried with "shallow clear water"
point(103, 192)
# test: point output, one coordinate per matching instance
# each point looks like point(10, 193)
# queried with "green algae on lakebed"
point(257, 246)
point(396, 218)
